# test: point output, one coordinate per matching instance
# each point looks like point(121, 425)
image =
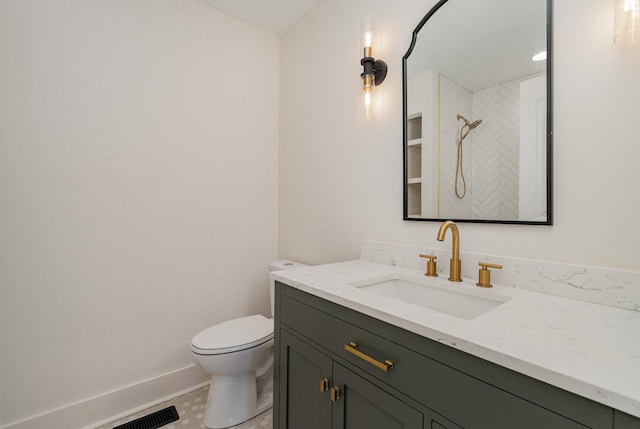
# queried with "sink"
point(452, 299)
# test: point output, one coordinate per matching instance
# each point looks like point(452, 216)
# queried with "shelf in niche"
point(414, 127)
point(414, 164)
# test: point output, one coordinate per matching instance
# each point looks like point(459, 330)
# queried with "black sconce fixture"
point(373, 74)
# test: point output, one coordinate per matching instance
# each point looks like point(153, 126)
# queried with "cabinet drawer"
point(441, 388)
point(334, 334)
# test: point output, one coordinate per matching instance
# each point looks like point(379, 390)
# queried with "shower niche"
point(414, 163)
point(477, 117)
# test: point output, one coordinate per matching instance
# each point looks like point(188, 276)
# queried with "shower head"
point(468, 125)
point(471, 125)
point(475, 123)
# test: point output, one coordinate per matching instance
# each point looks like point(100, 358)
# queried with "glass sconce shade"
point(374, 71)
point(627, 21)
point(368, 96)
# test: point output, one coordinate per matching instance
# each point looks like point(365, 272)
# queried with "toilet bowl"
point(238, 354)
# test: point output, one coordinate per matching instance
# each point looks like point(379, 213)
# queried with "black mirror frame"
point(549, 70)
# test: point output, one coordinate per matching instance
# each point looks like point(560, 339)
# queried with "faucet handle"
point(431, 265)
point(484, 275)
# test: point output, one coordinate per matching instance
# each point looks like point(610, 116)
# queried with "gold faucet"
point(454, 274)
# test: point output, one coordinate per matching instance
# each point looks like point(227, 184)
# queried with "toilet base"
point(234, 399)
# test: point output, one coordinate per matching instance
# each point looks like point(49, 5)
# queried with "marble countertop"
point(589, 349)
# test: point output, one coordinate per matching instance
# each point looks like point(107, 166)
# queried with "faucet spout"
point(455, 274)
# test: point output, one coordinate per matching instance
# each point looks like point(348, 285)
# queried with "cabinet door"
point(364, 405)
point(625, 421)
point(302, 367)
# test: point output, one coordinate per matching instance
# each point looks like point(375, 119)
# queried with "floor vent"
point(153, 421)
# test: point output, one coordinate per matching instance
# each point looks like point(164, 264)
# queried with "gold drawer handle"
point(353, 349)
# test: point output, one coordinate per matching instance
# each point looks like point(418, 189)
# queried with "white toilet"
point(238, 354)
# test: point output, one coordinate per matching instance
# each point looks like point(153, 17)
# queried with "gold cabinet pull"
point(335, 393)
point(324, 385)
point(353, 349)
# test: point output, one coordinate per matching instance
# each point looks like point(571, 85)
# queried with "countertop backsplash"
point(598, 285)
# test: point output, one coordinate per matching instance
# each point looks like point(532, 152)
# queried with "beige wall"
point(341, 180)
point(138, 183)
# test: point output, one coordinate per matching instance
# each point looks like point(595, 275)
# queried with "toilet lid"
point(233, 335)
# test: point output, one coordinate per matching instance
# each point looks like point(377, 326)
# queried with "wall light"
point(374, 71)
point(627, 24)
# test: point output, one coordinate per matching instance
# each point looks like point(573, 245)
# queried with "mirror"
point(478, 113)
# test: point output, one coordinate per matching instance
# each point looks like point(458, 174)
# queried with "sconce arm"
point(377, 68)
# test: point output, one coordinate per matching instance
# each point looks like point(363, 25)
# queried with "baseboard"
point(99, 410)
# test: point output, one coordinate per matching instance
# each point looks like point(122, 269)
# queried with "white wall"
point(138, 183)
point(496, 164)
point(532, 194)
point(341, 180)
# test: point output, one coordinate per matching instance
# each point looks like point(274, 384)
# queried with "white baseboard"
point(107, 407)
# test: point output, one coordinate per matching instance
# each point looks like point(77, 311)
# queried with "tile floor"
point(191, 411)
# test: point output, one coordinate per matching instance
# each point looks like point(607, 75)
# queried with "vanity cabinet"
point(431, 385)
point(322, 394)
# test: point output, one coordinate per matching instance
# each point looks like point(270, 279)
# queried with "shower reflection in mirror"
point(479, 175)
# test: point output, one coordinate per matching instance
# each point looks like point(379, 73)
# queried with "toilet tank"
point(280, 265)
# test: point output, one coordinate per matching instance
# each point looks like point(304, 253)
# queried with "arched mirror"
point(478, 113)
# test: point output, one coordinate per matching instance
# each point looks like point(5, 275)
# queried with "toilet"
point(238, 354)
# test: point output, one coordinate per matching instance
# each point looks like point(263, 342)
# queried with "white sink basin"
point(452, 299)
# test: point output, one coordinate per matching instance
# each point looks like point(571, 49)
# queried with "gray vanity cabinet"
point(431, 385)
point(319, 393)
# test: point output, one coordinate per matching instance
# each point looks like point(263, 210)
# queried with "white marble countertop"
point(589, 349)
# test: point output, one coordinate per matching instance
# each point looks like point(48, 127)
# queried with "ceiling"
point(479, 43)
point(274, 16)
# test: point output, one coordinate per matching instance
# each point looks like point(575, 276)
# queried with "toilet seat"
point(233, 335)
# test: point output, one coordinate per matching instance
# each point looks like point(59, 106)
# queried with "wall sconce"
point(627, 25)
point(374, 71)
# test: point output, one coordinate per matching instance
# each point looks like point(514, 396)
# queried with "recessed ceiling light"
point(540, 56)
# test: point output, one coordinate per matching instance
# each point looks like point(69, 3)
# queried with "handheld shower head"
point(469, 124)
point(463, 133)
point(474, 124)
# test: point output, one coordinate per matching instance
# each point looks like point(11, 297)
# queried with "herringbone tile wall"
point(496, 152)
